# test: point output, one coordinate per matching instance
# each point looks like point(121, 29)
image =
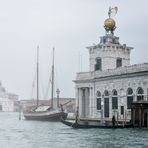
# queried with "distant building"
point(6, 105)
point(13, 96)
point(111, 84)
point(3, 93)
point(69, 103)
point(7, 100)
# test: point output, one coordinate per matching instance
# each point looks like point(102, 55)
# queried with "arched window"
point(106, 93)
point(98, 99)
point(114, 92)
point(98, 65)
point(140, 94)
point(114, 99)
point(98, 94)
point(129, 98)
point(129, 91)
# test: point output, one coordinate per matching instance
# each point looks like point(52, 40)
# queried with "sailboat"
point(42, 112)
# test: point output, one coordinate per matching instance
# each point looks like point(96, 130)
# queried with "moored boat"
point(75, 124)
point(53, 115)
point(42, 112)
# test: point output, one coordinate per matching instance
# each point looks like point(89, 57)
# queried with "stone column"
point(83, 102)
point(77, 100)
point(93, 101)
point(90, 102)
point(80, 102)
point(86, 102)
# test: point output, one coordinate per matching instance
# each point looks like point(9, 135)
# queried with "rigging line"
point(46, 95)
point(32, 96)
point(56, 85)
point(42, 84)
point(48, 88)
point(37, 75)
point(56, 81)
point(79, 61)
point(52, 86)
point(55, 77)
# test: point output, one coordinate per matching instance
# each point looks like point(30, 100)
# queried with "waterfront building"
point(8, 101)
point(6, 105)
point(112, 83)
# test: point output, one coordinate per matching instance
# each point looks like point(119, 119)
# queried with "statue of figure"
point(109, 11)
point(112, 10)
point(113, 121)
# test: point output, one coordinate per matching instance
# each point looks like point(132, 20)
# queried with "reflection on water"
point(15, 133)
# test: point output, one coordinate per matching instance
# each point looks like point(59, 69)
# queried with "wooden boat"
point(78, 125)
point(42, 112)
point(51, 115)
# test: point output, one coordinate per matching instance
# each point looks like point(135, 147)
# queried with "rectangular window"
point(140, 97)
point(129, 102)
point(98, 65)
point(98, 103)
point(119, 62)
point(114, 103)
point(122, 110)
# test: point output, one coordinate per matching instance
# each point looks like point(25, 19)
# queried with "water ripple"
point(37, 134)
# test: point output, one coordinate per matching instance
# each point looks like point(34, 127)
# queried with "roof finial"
point(112, 11)
point(110, 24)
point(109, 12)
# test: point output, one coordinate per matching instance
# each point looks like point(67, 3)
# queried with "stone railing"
point(122, 70)
point(84, 75)
point(111, 72)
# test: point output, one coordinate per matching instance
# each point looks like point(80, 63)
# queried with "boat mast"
point(52, 81)
point(37, 75)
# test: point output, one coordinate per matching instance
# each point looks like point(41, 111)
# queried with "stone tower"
point(109, 53)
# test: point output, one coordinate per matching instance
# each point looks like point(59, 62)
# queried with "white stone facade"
point(111, 84)
point(7, 100)
point(109, 50)
point(6, 105)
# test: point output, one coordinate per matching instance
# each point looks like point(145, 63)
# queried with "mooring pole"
point(19, 111)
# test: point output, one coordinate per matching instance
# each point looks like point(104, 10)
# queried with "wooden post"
point(125, 116)
point(117, 117)
point(139, 117)
point(20, 111)
point(123, 119)
point(143, 117)
point(19, 115)
point(133, 116)
point(147, 117)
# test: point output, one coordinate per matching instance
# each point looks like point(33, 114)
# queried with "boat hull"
point(45, 116)
point(77, 125)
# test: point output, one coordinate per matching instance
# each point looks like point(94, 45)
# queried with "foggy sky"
point(69, 26)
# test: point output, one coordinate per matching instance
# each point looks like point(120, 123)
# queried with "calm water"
point(15, 133)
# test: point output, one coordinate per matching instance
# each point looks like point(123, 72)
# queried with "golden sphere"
point(109, 23)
